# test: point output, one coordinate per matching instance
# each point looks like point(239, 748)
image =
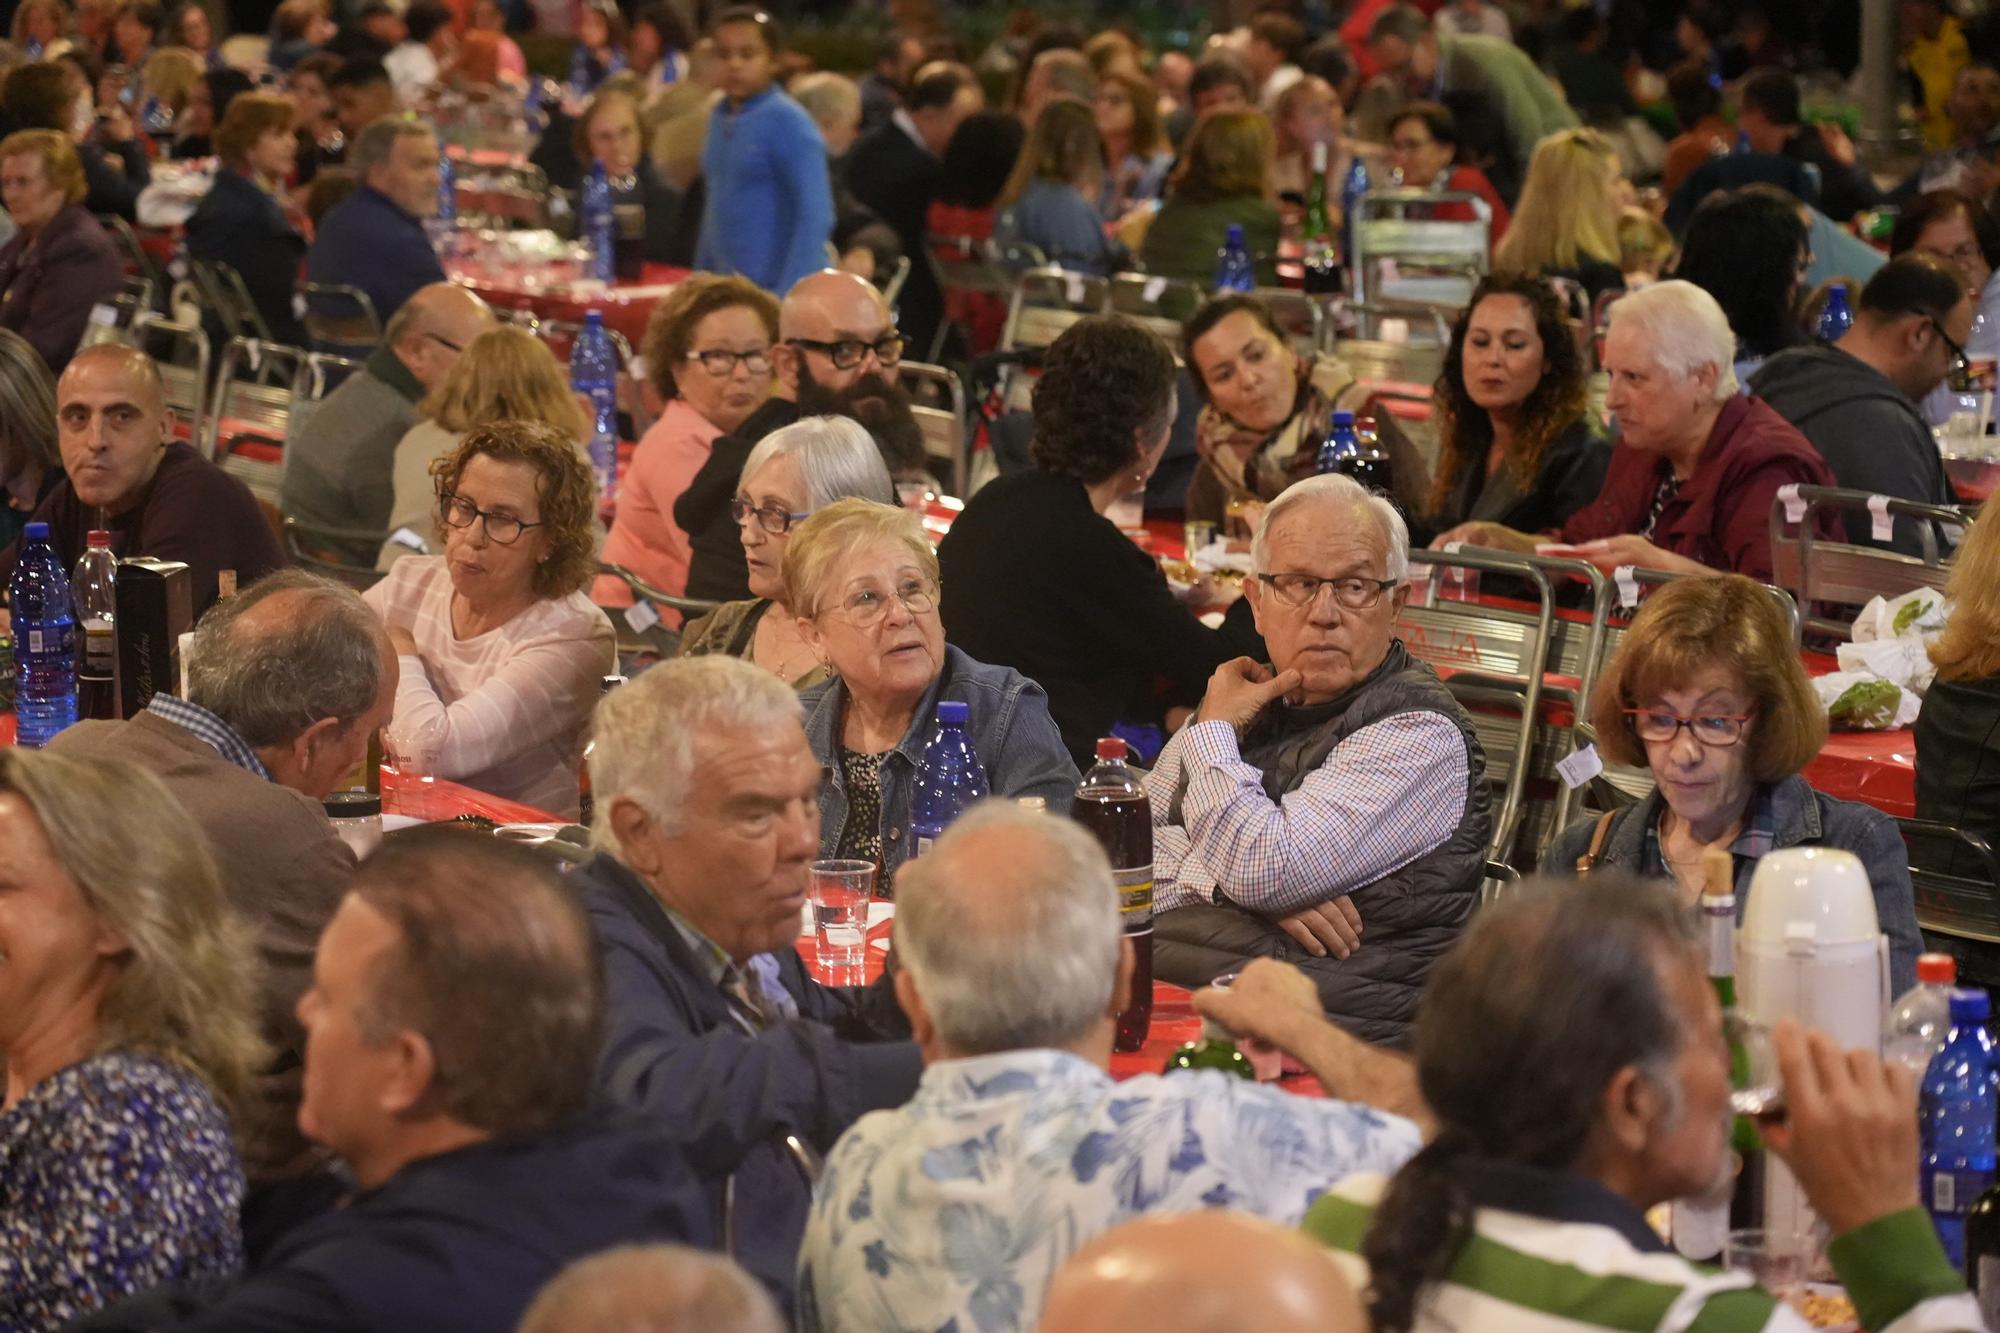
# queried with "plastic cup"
point(1781, 1263)
point(411, 770)
point(839, 892)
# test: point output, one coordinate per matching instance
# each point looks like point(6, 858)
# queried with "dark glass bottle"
point(1112, 804)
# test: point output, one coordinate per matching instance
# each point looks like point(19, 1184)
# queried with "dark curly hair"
point(1465, 431)
point(564, 487)
point(1104, 382)
point(670, 331)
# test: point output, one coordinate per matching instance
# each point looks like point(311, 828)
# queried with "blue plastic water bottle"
point(593, 372)
point(44, 640)
point(1233, 270)
point(595, 218)
point(1961, 1095)
point(1838, 317)
point(447, 214)
point(949, 778)
point(1340, 447)
point(1352, 186)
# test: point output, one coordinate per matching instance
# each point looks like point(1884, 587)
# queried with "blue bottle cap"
point(35, 530)
point(593, 318)
point(1235, 233)
point(952, 712)
point(1343, 417)
point(1970, 1005)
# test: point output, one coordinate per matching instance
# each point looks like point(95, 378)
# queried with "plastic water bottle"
point(1352, 187)
point(949, 778)
point(93, 588)
point(1961, 1094)
point(1233, 270)
point(593, 372)
point(1915, 1029)
point(1837, 318)
point(44, 640)
point(156, 118)
point(595, 218)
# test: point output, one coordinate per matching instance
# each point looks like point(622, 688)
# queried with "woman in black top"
point(1515, 444)
point(608, 131)
point(1036, 578)
point(240, 221)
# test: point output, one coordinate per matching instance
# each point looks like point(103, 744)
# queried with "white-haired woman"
point(792, 472)
point(127, 1033)
point(1696, 464)
point(862, 580)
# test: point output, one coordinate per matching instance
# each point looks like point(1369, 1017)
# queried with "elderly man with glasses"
point(1328, 808)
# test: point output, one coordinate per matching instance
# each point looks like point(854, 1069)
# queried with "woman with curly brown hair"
point(501, 653)
point(1515, 441)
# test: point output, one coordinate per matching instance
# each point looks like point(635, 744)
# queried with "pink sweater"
point(644, 537)
point(504, 711)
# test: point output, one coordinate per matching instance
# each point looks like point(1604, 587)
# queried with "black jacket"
point(1958, 755)
point(113, 187)
point(1569, 476)
point(239, 223)
point(715, 568)
point(896, 178)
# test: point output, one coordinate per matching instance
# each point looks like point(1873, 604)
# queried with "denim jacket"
point(1800, 817)
point(1010, 727)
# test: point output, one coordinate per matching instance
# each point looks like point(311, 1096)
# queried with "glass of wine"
point(1760, 1095)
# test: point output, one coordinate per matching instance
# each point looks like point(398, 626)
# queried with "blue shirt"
point(1057, 220)
point(956, 1210)
point(770, 202)
point(369, 242)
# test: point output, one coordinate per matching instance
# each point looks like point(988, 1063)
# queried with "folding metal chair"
point(1435, 262)
point(139, 262)
point(252, 413)
point(1821, 573)
point(340, 318)
point(940, 409)
point(181, 351)
point(334, 552)
point(966, 266)
point(1046, 301)
point(1957, 881)
point(222, 289)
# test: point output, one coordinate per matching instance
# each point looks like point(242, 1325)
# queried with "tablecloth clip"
point(1627, 579)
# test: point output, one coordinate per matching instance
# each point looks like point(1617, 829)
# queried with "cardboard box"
point(155, 607)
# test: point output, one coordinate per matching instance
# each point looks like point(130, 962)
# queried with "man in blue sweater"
point(770, 207)
point(374, 239)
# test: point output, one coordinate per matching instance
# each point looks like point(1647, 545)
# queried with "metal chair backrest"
point(687, 606)
point(307, 545)
point(1414, 355)
point(1498, 882)
point(1158, 303)
point(1046, 302)
point(1821, 572)
point(253, 407)
point(1957, 881)
point(181, 351)
point(340, 317)
point(1301, 318)
point(940, 409)
point(898, 277)
point(1435, 261)
point(111, 321)
point(139, 261)
point(221, 287)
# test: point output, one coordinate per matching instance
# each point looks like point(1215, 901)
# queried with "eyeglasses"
point(1356, 594)
point(720, 362)
point(864, 607)
point(504, 529)
point(847, 353)
point(1962, 253)
point(1960, 364)
point(1716, 730)
point(772, 518)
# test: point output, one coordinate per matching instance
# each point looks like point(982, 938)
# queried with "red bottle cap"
point(1110, 747)
point(1937, 969)
point(97, 537)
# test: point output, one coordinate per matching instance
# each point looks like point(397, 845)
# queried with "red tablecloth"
point(626, 307)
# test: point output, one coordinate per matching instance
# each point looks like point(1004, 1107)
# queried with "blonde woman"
point(1958, 731)
point(504, 374)
point(1049, 201)
point(128, 1034)
point(1224, 179)
point(43, 29)
point(1566, 222)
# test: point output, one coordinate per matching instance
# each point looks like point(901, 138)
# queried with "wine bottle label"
point(1135, 897)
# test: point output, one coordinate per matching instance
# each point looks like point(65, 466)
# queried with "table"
point(1973, 478)
point(626, 306)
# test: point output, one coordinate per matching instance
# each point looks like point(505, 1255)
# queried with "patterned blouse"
point(117, 1174)
point(861, 838)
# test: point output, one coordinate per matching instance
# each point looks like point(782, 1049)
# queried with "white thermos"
point(1811, 950)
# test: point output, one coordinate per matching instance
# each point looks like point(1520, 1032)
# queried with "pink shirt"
point(644, 537)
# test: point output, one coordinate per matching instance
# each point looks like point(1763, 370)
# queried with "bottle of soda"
point(1837, 318)
point(1960, 1096)
point(1211, 1050)
point(1233, 270)
point(1914, 1031)
point(1111, 802)
point(44, 640)
point(949, 778)
point(92, 588)
point(595, 222)
point(593, 373)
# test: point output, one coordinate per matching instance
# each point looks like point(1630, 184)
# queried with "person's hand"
point(1331, 927)
point(1627, 548)
point(114, 124)
point(111, 87)
point(1493, 536)
point(1850, 1133)
point(403, 642)
point(1264, 1003)
point(1838, 146)
point(1240, 688)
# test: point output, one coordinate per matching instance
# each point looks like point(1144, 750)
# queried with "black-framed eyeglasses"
point(1715, 730)
point(864, 607)
point(1353, 593)
point(775, 519)
point(846, 354)
point(1961, 364)
point(503, 529)
point(721, 362)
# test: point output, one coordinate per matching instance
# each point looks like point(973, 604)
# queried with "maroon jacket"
point(48, 285)
point(1722, 514)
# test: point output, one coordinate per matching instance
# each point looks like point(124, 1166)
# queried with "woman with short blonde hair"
point(862, 579)
point(60, 263)
point(1708, 692)
point(1566, 222)
point(128, 1033)
point(1224, 180)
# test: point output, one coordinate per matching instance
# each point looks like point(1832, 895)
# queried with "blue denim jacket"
point(1007, 717)
point(1800, 817)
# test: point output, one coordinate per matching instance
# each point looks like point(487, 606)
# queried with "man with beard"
point(837, 352)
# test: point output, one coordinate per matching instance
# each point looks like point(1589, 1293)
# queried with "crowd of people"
point(255, 1081)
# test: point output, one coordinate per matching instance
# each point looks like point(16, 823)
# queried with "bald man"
point(837, 353)
point(127, 473)
point(653, 1289)
point(340, 472)
point(1213, 1271)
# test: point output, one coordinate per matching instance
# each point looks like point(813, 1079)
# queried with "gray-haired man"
point(375, 239)
point(707, 816)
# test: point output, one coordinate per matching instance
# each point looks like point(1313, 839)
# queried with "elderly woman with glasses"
point(502, 656)
point(862, 580)
point(1708, 692)
point(793, 472)
point(708, 352)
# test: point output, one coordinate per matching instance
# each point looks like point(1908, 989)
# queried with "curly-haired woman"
point(502, 654)
point(1080, 609)
point(1515, 440)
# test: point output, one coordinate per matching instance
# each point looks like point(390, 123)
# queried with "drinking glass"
point(414, 762)
point(1780, 1262)
point(839, 891)
point(1762, 1094)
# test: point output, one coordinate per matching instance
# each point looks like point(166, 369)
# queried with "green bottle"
point(1318, 226)
point(1212, 1050)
